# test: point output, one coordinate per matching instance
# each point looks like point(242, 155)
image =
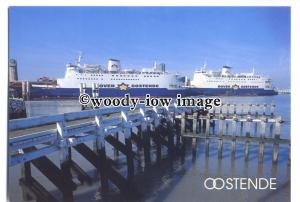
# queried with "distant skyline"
point(44, 39)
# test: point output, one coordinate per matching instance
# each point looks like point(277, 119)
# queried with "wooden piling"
point(195, 123)
point(213, 121)
point(207, 131)
point(129, 158)
point(271, 130)
point(170, 136)
point(183, 122)
point(182, 131)
point(248, 122)
point(220, 146)
point(194, 147)
point(156, 136)
point(264, 109)
point(233, 143)
point(262, 138)
point(272, 110)
point(249, 109)
point(99, 149)
point(65, 159)
point(57, 176)
point(276, 140)
point(227, 110)
point(146, 143)
point(234, 109)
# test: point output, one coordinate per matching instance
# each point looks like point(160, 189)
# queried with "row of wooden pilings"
point(204, 127)
point(62, 177)
point(172, 132)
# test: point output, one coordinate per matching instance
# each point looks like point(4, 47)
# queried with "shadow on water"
point(182, 178)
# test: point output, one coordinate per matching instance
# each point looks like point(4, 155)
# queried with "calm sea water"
point(180, 179)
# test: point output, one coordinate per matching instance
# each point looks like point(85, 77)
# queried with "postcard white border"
point(295, 66)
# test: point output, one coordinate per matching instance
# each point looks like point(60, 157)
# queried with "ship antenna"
point(79, 59)
point(204, 65)
point(253, 70)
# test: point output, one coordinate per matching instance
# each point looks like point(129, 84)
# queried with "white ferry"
point(225, 83)
point(114, 81)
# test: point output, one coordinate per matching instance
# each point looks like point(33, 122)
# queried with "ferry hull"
point(231, 92)
point(39, 92)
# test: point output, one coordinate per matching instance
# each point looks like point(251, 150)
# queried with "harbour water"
point(179, 179)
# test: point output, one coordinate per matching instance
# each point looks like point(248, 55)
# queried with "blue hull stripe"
point(105, 92)
point(231, 92)
point(37, 92)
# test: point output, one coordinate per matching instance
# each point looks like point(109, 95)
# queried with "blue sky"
point(44, 39)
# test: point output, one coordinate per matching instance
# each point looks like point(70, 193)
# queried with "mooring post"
point(242, 110)
point(183, 122)
point(99, 149)
point(170, 135)
point(195, 121)
point(128, 144)
point(146, 132)
point(170, 118)
point(65, 158)
point(207, 134)
point(156, 135)
point(195, 130)
point(226, 127)
point(271, 117)
point(213, 121)
point(233, 144)
point(256, 110)
point(156, 129)
point(146, 140)
point(220, 146)
point(139, 136)
point(234, 109)
point(248, 122)
point(242, 123)
point(182, 129)
point(256, 117)
point(227, 110)
point(249, 109)
point(276, 139)
point(272, 110)
point(271, 129)
point(264, 109)
point(262, 137)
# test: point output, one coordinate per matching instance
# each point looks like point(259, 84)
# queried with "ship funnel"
point(159, 67)
point(226, 70)
point(113, 65)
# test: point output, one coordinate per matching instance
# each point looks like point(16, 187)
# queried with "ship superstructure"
point(225, 83)
point(113, 76)
point(115, 81)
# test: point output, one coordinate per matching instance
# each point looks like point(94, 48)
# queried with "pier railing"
point(96, 124)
